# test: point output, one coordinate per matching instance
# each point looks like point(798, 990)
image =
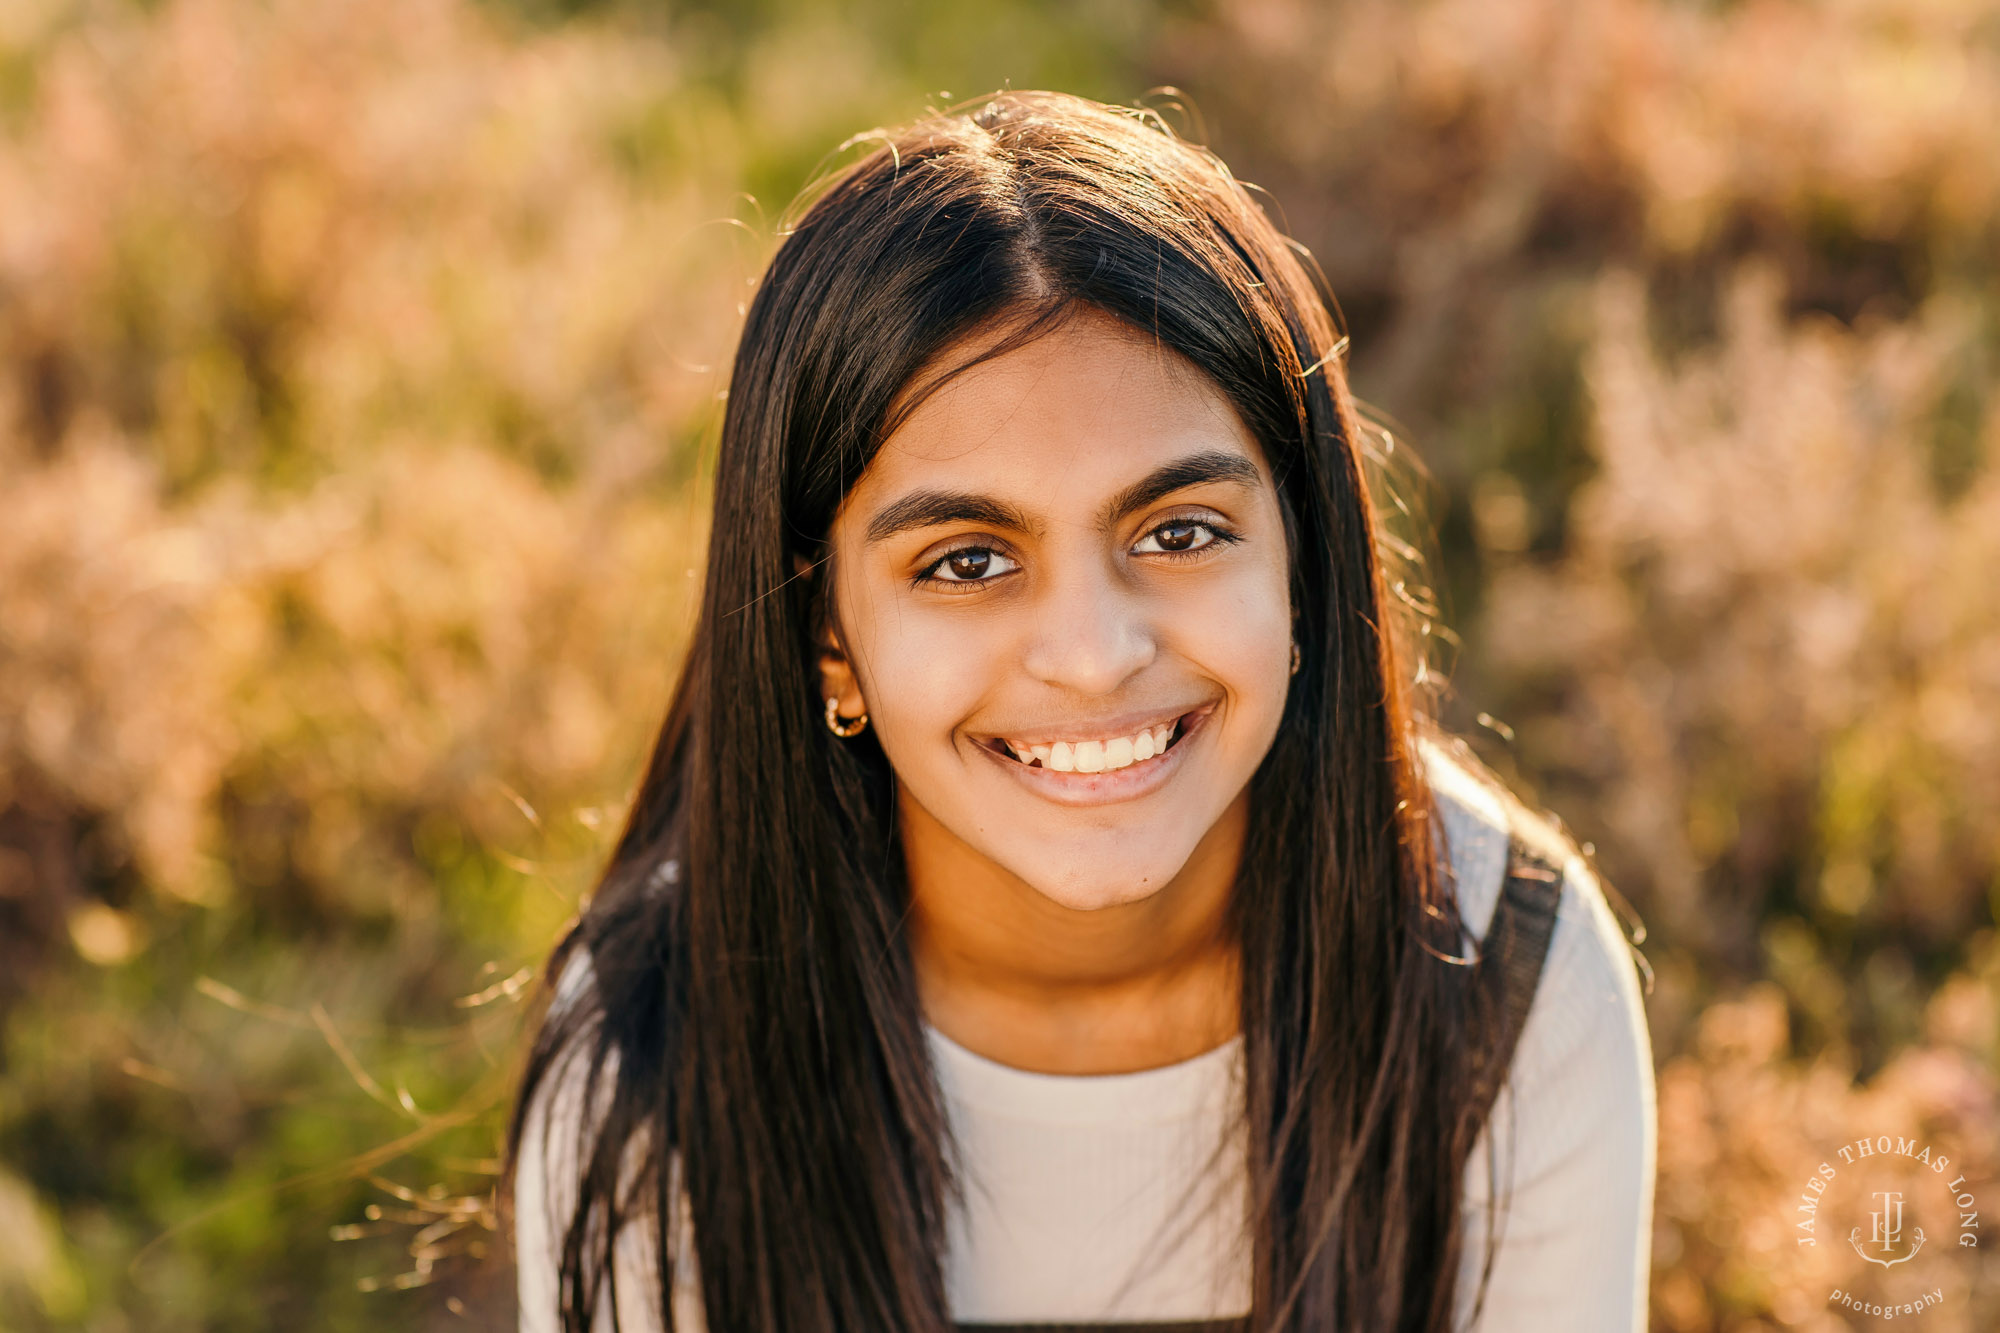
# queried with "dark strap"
point(1510, 962)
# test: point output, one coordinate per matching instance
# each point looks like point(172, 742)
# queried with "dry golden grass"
point(356, 360)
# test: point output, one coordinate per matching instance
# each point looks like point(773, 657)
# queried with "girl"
point(1041, 907)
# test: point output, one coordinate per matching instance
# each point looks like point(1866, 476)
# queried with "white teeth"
point(1096, 756)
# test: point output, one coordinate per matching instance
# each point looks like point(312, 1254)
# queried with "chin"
point(1091, 887)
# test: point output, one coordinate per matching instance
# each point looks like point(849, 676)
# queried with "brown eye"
point(969, 564)
point(1182, 536)
point(973, 565)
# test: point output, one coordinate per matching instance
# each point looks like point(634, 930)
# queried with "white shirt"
point(1120, 1197)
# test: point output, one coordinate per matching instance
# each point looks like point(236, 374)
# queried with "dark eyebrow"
point(1194, 470)
point(925, 509)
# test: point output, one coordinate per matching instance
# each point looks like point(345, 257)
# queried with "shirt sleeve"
point(1576, 1131)
point(545, 1189)
point(547, 1173)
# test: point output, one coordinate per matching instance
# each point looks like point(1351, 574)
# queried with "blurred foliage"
point(1695, 311)
point(358, 362)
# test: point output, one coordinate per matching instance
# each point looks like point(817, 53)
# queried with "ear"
point(836, 676)
point(836, 672)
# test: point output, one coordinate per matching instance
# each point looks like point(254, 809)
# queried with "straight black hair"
point(753, 990)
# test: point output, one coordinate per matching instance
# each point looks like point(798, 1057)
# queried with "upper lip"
point(1125, 724)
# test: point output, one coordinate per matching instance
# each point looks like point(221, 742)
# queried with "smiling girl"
point(1045, 904)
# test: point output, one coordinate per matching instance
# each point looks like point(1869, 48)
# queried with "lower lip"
point(1124, 784)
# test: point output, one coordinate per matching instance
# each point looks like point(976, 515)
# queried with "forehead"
point(1064, 419)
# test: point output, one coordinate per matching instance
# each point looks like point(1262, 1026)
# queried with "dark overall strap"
point(1510, 961)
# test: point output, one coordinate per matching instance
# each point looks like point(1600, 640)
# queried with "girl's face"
point(1061, 594)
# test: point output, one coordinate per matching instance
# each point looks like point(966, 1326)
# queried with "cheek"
point(1238, 632)
point(922, 673)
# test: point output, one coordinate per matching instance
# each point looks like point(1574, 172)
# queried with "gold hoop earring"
point(1295, 657)
point(836, 726)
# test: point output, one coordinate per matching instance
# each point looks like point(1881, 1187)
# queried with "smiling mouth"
point(1106, 755)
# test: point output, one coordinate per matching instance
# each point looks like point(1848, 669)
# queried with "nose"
point(1090, 634)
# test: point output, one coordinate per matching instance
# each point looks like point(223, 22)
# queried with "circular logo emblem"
point(1889, 1229)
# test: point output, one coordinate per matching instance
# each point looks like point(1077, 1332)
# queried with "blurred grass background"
point(358, 360)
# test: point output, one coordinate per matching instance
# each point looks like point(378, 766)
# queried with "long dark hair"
point(752, 985)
